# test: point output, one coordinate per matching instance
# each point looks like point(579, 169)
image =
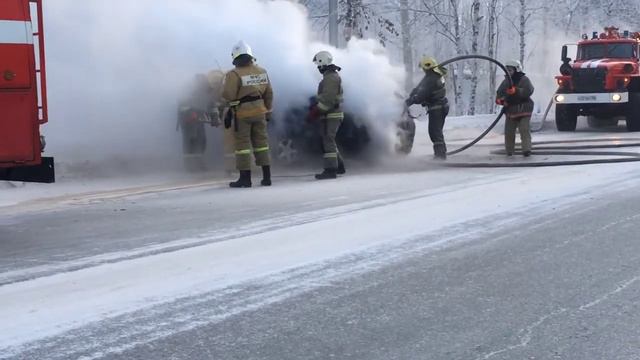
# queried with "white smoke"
point(116, 69)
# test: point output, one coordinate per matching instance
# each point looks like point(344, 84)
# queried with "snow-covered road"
point(98, 274)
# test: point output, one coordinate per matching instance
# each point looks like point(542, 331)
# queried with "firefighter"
point(518, 108)
point(432, 94)
point(192, 116)
point(248, 91)
point(216, 78)
point(327, 106)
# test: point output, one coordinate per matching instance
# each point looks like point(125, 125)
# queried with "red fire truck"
point(603, 83)
point(23, 100)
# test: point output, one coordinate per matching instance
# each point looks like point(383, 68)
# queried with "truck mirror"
point(564, 58)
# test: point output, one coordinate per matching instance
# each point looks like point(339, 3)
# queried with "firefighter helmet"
point(427, 63)
point(514, 64)
point(241, 48)
point(323, 58)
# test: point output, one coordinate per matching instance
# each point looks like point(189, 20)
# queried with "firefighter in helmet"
point(247, 90)
point(328, 107)
point(518, 107)
point(432, 94)
point(193, 114)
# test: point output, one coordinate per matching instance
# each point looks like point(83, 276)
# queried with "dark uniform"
point(432, 94)
point(192, 116)
point(518, 109)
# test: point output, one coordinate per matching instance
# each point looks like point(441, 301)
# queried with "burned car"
point(296, 137)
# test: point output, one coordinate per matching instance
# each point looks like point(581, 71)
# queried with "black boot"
point(526, 153)
point(327, 174)
point(341, 170)
point(244, 181)
point(266, 176)
point(440, 152)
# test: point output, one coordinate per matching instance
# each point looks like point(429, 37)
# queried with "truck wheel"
point(633, 112)
point(566, 117)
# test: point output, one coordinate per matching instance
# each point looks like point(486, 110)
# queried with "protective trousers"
point(510, 126)
point(251, 134)
point(331, 152)
point(437, 116)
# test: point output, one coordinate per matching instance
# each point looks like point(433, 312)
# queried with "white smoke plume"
point(116, 69)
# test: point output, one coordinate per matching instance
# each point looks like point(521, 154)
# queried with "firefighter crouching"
point(519, 106)
point(328, 107)
point(248, 92)
point(193, 113)
point(432, 94)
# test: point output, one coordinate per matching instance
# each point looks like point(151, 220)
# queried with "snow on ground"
point(49, 305)
point(76, 183)
point(46, 306)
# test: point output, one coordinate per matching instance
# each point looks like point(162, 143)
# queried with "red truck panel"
point(19, 120)
point(14, 10)
point(18, 133)
point(16, 66)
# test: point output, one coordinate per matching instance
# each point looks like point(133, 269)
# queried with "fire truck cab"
point(603, 83)
point(23, 101)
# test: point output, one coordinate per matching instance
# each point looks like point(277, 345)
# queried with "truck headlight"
point(559, 98)
point(616, 97)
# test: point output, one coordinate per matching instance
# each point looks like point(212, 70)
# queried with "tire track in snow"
point(279, 222)
point(121, 333)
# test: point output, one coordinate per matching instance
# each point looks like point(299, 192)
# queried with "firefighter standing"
point(432, 94)
point(248, 90)
point(192, 114)
point(328, 107)
point(518, 108)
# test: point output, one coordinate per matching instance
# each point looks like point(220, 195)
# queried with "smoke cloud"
point(117, 68)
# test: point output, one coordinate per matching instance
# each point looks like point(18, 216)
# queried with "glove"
point(268, 116)
point(500, 101)
point(313, 114)
point(512, 90)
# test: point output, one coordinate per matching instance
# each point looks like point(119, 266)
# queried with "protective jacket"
point(520, 104)
point(248, 88)
point(431, 92)
point(330, 94)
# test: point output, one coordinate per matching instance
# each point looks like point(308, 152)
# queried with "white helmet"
point(514, 64)
point(241, 48)
point(323, 58)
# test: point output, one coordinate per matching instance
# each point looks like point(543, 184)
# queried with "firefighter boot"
point(341, 169)
point(327, 174)
point(440, 151)
point(244, 181)
point(266, 176)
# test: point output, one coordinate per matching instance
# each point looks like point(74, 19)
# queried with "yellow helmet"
point(427, 63)
point(215, 77)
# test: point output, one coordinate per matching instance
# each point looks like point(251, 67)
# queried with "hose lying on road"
point(556, 148)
